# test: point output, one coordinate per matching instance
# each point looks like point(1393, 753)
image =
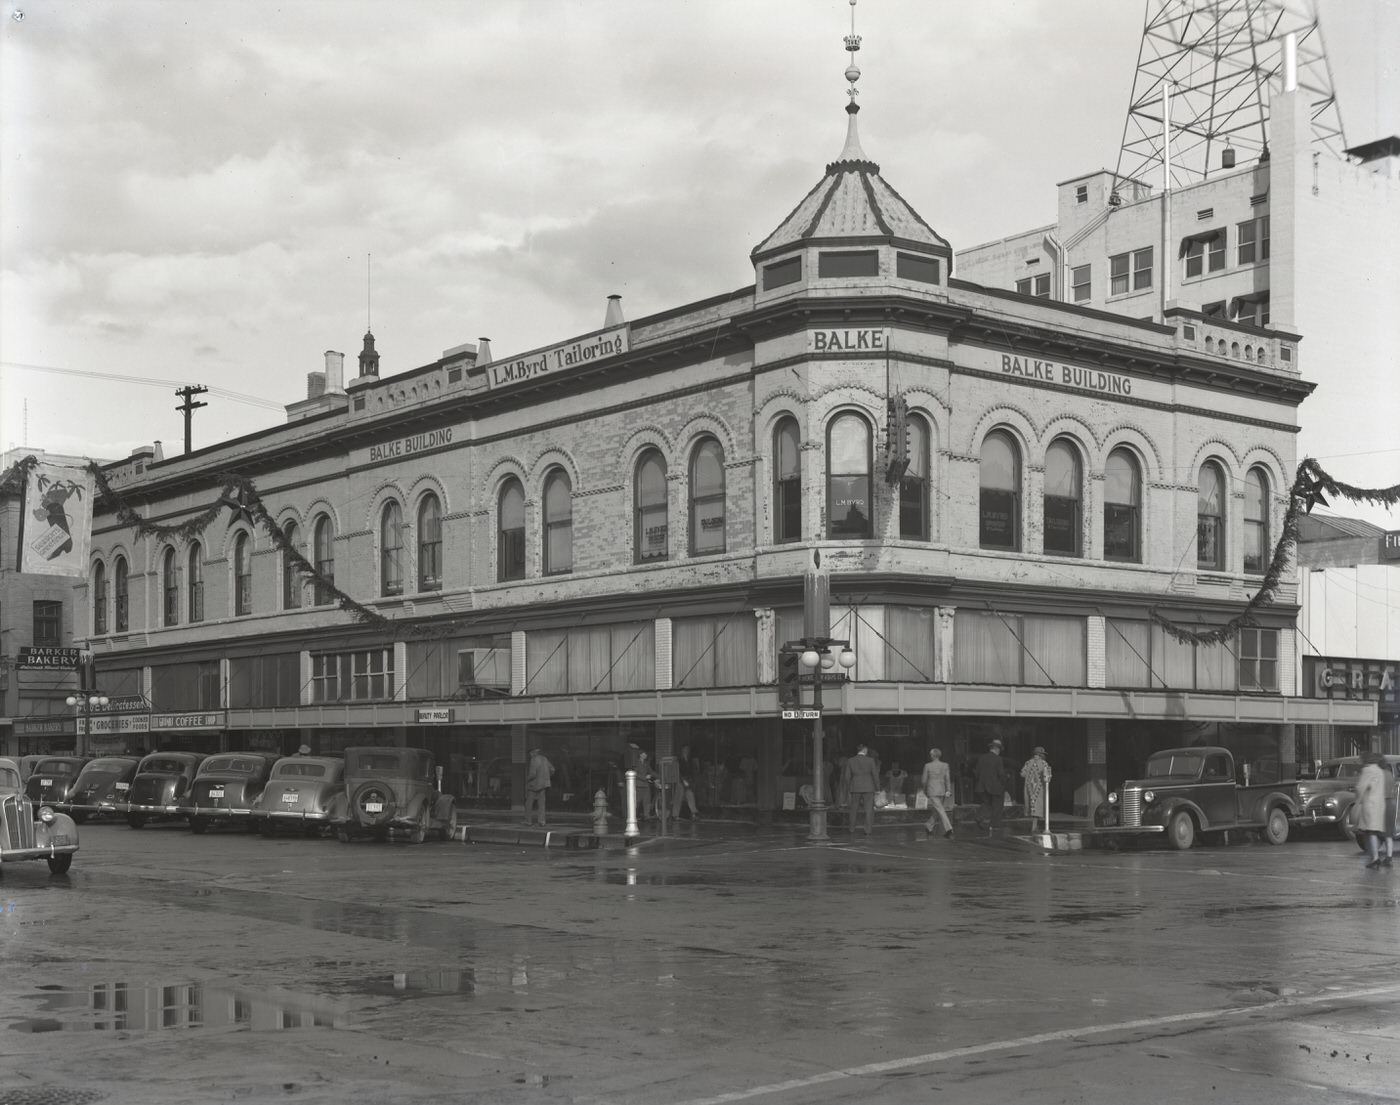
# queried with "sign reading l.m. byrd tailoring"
point(589, 349)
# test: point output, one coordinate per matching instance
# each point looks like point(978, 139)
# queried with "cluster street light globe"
point(85, 703)
point(817, 654)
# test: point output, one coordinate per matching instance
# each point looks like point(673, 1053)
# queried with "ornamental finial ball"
point(853, 73)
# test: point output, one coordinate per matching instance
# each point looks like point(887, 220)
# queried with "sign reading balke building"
point(558, 358)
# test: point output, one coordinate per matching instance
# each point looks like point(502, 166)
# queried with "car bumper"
point(154, 811)
point(93, 809)
point(1312, 818)
point(1130, 830)
point(54, 849)
point(292, 815)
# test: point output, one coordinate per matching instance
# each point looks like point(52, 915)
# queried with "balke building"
point(603, 542)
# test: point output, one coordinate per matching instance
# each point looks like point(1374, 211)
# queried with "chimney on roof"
point(335, 372)
point(483, 351)
point(614, 315)
point(158, 452)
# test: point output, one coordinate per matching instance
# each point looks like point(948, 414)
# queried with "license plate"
point(123, 786)
point(291, 797)
point(216, 792)
point(374, 807)
point(46, 782)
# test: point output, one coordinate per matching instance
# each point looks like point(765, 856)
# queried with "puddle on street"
point(149, 1006)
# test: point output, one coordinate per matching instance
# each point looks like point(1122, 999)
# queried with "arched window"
point(291, 578)
point(914, 484)
point(1210, 518)
point(195, 577)
point(242, 576)
point(1063, 495)
point(1000, 498)
point(787, 483)
point(1122, 507)
point(429, 544)
point(707, 498)
point(650, 538)
point(848, 486)
point(122, 595)
point(391, 549)
point(169, 589)
point(323, 557)
point(510, 531)
point(1256, 521)
point(558, 523)
point(99, 598)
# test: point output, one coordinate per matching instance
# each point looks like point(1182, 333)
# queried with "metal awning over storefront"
point(853, 699)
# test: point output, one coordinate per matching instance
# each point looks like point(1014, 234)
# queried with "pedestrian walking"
point(1036, 774)
point(689, 771)
point(989, 783)
point(538, 776)
point(862, 779)
point(937, 784)
point(1371, 786)
point(894, 784)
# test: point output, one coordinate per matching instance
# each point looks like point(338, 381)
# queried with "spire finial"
point(853, 70)
point(851, 154)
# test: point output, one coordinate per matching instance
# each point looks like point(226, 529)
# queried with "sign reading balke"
point(1066, 375)
point(557, 358)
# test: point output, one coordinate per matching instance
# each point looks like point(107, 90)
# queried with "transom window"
point(848, 482)
point(787, 483)
point(558, 523)
point(1063, 494)
point(1210, 518)
point(510, 531)
point(707, 498)
point(650, 539)
point(1000, 494)
point(1122, 495)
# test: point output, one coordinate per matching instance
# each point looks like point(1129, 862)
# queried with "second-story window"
point(914, 484)
point(651, 541)
point(848, 483)
point(787, 483)
point(99, 598)
point(1063, 495)
point(242, 576)
point(194, 576)
point(429, 544)
point(169, 589)
point(510, 531)
point(999, 498)
point(391, 549)
point(1210, 518)
point(291, 578)
point(1256, 522)
point(707, 498)
point(48, 623)
point(558, 523)
point(121, 595)
point(1122, 498)
point(323, 556)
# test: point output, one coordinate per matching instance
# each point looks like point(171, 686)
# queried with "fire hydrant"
point(600, 814)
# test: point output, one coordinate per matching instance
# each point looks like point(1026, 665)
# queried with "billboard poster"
point(57, 521)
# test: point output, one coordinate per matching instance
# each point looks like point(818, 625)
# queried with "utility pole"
point(188, 407)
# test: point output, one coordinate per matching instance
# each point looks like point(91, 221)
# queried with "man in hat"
point(537, 779)
point(989, 784)
point(862, 778)
point(937, 783)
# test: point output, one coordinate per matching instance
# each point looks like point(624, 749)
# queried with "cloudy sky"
point(192, 188)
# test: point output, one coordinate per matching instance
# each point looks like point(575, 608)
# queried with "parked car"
point(390, 790)
point(26, 766)
point(53, 779)
point(29, 831)
point(1391, 766)
point(1186, 792)
point(101, 787)
point(162, 782)
point(1327, 799)
point(225, 789)
point(299, 794)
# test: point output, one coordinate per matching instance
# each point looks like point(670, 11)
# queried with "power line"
point(149, 381)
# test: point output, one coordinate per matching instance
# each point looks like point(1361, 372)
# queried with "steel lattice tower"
point(1220, 60)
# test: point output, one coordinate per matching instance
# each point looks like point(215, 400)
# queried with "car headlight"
point(1148, 797)
point(45, 814)
point(1112, 797)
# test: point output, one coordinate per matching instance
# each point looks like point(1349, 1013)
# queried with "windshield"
point(1340, 769)
point(1177, 763)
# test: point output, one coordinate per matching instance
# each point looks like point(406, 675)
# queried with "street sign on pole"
point(801, 715)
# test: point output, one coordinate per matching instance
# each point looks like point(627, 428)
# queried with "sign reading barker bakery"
point(558, 358)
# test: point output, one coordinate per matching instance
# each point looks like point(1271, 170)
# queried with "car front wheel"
point(58, 865)
point(1275, 829)
point(136, 820)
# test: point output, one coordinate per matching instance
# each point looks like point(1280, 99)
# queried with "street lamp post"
point(815, 654)
point(85, 702)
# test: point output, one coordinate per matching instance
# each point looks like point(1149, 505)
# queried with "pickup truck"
point(1186, 792)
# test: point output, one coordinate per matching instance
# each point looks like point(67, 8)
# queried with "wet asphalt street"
point(729, 964)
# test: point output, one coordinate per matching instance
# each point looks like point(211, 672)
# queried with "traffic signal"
point(789, 679)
